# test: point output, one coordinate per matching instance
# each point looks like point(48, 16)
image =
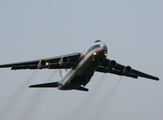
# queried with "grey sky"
point(133, 31)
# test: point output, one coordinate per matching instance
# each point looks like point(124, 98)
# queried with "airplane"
point(81, 65)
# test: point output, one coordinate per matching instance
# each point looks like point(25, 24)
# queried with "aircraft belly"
point(88, 68)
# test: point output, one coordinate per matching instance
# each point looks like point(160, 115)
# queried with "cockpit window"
point(97, 41)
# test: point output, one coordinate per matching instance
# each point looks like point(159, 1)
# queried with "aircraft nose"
point(104, 49)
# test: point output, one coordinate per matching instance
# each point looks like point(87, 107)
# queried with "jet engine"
point(41, 64)
point(127, 70)
point(111, 64)
point(63, 61)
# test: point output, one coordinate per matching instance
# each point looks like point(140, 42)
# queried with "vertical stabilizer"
point(62, 72)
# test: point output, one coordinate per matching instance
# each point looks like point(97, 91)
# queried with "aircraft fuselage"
point(84, 68)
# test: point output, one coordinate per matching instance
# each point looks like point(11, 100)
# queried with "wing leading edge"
point(110, 66)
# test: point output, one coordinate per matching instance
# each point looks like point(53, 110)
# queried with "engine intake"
point(112, 64)
point(63, 61)
point(127, 70)
point(41, 64)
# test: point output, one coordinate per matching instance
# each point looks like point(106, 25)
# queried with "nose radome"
point(104, 47)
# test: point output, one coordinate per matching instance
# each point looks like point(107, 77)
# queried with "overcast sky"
point(133, 32)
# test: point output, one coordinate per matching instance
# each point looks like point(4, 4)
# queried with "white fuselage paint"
point(85, 67)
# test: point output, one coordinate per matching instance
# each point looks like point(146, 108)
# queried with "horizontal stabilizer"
point(82, 88)
point(53, 84)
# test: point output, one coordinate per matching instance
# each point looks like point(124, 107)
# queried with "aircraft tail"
point(62, 72)
point(52, 84)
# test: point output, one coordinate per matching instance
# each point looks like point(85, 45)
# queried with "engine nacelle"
point(127, 70)
point(41, 64)
point(112, 64)
point(63, 61)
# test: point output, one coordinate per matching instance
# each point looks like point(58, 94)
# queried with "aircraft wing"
point(110, 66)
point(50, 63)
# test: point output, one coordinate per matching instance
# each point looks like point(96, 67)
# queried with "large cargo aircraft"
point(81, 65)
